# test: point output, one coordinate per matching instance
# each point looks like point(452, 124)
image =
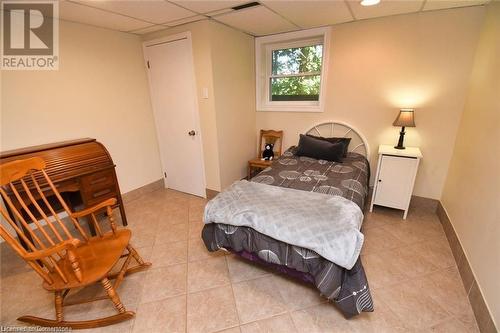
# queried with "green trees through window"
point(296, 73)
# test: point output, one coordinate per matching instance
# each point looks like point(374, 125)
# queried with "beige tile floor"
point(414, 280)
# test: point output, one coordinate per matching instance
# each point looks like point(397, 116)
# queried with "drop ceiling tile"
point(185, 20)
point(209, 5)
point(384, 8)
point(154, 11)
point(311, 13)
point(256, 20)
point(218, 12)
point(440, 4)
point(149, 29)
point(83, 14)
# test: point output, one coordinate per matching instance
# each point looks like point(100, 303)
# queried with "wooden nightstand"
point(395, 177)
point(257, 163)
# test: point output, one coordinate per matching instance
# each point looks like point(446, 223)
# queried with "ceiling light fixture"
point(369, 2)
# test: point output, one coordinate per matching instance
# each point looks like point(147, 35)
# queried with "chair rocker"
point(64, 255)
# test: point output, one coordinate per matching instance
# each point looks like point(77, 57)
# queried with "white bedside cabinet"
point(395, 177)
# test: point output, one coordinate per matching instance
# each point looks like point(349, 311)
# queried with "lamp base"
point(401, 138)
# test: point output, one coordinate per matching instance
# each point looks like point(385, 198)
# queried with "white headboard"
point(340, 129)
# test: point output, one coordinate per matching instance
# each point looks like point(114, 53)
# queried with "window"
point(291, 71)
point(296, 73)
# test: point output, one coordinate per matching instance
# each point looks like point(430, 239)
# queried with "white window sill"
point(291, 108)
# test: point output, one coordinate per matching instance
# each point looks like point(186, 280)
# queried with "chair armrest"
point(71, 244)
point(84, 212)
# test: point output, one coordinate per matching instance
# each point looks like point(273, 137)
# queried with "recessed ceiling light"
point(369, 2)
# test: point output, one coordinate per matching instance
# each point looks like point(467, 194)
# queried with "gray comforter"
point(348, 288)
point(328, 225)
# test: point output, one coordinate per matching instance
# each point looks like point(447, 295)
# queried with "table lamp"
point(405, 119)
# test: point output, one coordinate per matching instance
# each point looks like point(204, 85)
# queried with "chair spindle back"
point(30, 205)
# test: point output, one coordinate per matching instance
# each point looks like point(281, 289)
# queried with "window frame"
point(263, 59)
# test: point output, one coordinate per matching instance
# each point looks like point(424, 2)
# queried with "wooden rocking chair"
point(65, 256)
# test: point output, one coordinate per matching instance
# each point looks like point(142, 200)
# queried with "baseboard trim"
point(476, 299)
point(423, 203)
point(138, 192)
point(154, 186)
point(211, 193)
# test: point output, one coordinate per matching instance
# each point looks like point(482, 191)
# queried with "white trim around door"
point(193, 129)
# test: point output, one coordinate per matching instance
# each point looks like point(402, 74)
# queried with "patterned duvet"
point(347, 288)
point(348, 179)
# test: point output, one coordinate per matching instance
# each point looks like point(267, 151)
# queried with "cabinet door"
point(395, 181)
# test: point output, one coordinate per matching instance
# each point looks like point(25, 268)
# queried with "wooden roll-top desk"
point(82, 170)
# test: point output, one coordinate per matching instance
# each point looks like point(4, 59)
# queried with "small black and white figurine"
point(268, 153)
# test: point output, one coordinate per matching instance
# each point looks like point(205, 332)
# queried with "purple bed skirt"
point(303, 276)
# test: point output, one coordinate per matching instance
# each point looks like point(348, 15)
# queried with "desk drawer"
point(98, 187)
point(98, 179)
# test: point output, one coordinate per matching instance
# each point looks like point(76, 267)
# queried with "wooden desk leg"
point(92, 230)
point(122, 212)
point(67, 198)
point(120, 203)
point(249, 172)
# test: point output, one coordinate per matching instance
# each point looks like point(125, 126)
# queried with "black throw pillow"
point(320, 149)
point(344, 141)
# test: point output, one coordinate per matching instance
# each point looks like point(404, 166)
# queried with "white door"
point(173, 94)
point(395, 181)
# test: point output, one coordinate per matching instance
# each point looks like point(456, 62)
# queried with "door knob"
point(192, 133)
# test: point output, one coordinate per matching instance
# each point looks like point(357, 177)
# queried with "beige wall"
point(378, 66)
point(223, 61)
point(100, 91)
point(234, 92)
point(471, 194)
